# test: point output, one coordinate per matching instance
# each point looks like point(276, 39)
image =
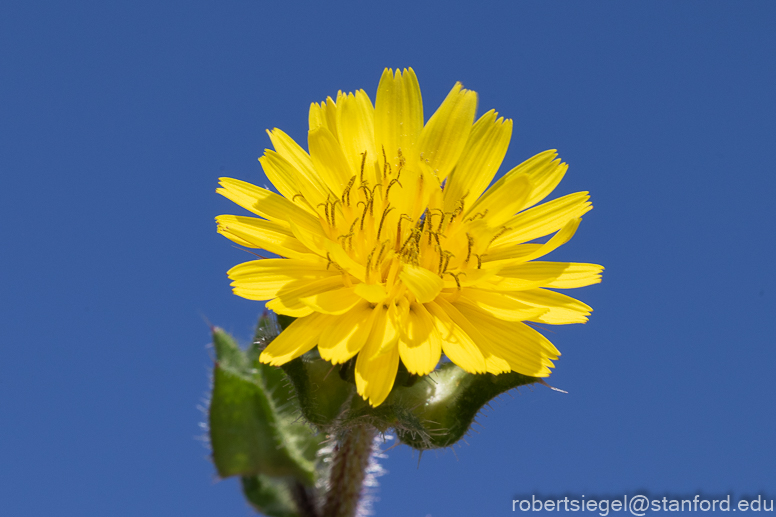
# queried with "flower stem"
point(348, 469)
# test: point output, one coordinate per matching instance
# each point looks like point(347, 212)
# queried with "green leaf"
point(228, 351)
point(270, 496)
point(254, 424)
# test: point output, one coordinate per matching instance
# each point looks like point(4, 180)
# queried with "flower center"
point(398, 221)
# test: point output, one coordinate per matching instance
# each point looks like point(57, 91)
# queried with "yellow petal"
point(526, 351)
point(517, 253)
point(493, 364)
point(420, 346)
point(482, 156)
point(561, 309)
point(385, 330)
point(375, 371)
point(294, 308)
point(543, 219)
point(262, 279)
point(297, 339)
point(560, 275)
point(329, 161)
point(258, 233)
point(421, 282)
point(291, 151)
point(292, 183)
point(266, 203)
point(343, 340)
point(545, 179)
point(457, 345)
point(289, 298)
point(499, 305)
point(325, 114)
point(311, 237)
point(398, 115)
point(373, 293)
point(357, 134)
point(500, 203)
point(444, 136)
point(540, 171)
point(336, 301)
point(340, 257)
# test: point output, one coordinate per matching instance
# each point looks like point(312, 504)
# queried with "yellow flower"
point(392, 248)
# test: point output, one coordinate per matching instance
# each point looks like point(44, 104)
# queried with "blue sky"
point(117, 118)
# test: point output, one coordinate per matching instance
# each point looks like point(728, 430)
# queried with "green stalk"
point(348, 470)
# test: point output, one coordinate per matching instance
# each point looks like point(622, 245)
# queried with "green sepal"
point(254, 424)
point(270, 496)
point(446, 403)
point(427, 412)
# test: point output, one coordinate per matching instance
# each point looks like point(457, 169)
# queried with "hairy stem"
point(348, 469)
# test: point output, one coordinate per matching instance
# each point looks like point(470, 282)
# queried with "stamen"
point(370, 197)
point(385, 163)
point(333, 204)
point(398, 229)
point(346, 192)
point(395, 180)
point(458, 210)
point(442, 221)
point(402, 161)
point(444, 256)
point(383, 247)
point(347, 237)
point(353, 224)
point(363, 216)
point(478, 214)
point(369, 264)
point(470, 240)
point(326, 209)
point(501, 232)
point(363, 161)
point(365, 187)
point(331, 262)
point(456, 275)
point(382, 219)
point(415, 234)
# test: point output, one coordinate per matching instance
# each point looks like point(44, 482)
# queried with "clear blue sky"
point(116, 119)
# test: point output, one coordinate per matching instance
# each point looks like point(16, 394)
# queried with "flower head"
point(394, 248)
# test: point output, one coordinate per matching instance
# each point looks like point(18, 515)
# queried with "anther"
point(402, 161)
point(383, 247)
point(382, 219)
point(363, 216)
point(363, 162)
point(385, 164)
point(326, 209)
point(333, 204)
point(387, 190)
point(346, 192)
point(398, 228)
point(455, 276)
point(444, 261)
point(369, 263)
point(477, 215)
point(501, 232)
point(331, 262)
point(470, 240)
